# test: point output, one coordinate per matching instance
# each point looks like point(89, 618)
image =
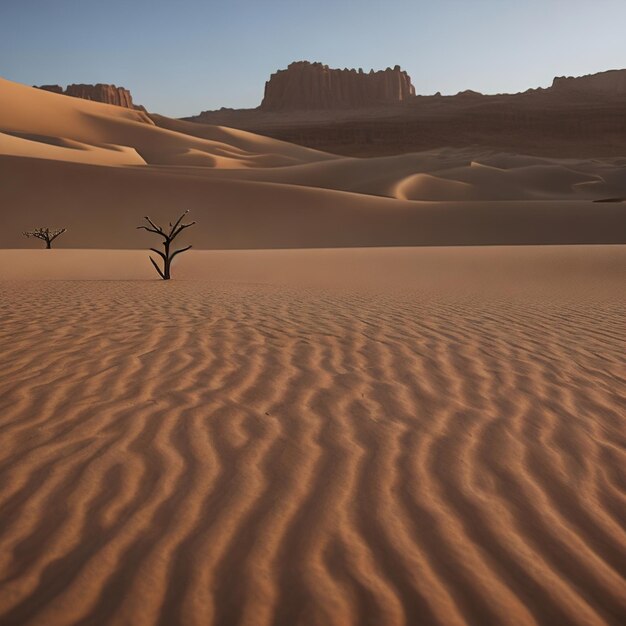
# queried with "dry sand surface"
point(258, 444)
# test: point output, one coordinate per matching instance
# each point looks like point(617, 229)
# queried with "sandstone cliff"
point(109, 94)
point(52, 88)
point(611, 82)
point(310, 86)
point(350, 113)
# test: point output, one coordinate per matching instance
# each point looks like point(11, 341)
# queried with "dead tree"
point(168, 236)
point(45, 234)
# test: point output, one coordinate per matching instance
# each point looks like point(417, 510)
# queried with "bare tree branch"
point(57, 233)
point(181, 228)
point(175, 229)
point(45, 234)
point(179, 251)
point(161, 254)
point(157, 228)
point(158, 269)
point(151, 230)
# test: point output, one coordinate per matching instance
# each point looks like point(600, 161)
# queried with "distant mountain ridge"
point(611, 82)
point(331, 110)
point(356, 113)
point(313, 86)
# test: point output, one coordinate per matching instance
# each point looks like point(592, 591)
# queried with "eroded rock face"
point(109, 94)
point(52, 88)
point(575, 117)
point(311, 86)
point(611, 82)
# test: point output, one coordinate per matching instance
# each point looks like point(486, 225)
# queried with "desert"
point(264, 445)
point(386, 386)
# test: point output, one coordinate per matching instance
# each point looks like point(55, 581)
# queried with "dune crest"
point(101, 167)
point(376, 430)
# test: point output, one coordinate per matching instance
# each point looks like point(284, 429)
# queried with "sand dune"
point(103, 205)
point(62, 149)
point(100, 168)
point(442, 175)
point(324, 437)
point(28, 110)
point(250, 447)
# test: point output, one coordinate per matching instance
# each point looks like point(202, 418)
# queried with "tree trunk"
point(48, 246)
point(167, 261)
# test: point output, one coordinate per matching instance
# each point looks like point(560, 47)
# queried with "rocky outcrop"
point(52, 88)
point(311, 86)
point(540, 122)
point(611, 82)
point(576, 117)
point(108, 94)
point(468, 93)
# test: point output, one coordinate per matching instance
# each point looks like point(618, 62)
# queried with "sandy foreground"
point(316, 437)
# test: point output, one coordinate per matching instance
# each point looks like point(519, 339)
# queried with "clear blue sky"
point(181, 57)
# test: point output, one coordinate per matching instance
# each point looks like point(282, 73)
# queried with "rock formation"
point(611, 82)
point(575, 117)
point(109, 94)
point(52, 88)
point(468, 93)
point(311, 86)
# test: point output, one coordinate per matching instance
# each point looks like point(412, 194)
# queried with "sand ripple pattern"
point(201, 454)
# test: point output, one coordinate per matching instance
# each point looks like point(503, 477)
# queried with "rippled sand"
point(259, 453)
